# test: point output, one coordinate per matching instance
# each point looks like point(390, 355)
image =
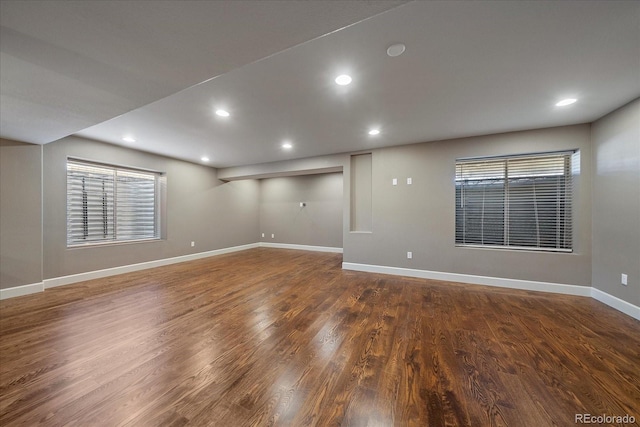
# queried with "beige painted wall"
point(421, 217)
point(319, 223)
point(361, 190)
point(417, 218)
point(199, 208)
point(616, 202)
point(20, 214)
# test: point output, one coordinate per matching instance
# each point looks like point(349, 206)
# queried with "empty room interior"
point(319, 213)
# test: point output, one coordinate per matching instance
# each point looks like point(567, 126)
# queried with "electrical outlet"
point(262, 234)
point(394, 181)
point(623, 279)
point(273, 236)
point(193, 244)
point(409, 255)
point(409, 181)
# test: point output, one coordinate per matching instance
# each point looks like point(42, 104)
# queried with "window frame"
point(571, 158)
point(159, 188)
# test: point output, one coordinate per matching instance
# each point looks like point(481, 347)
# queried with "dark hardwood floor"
point(278, 337)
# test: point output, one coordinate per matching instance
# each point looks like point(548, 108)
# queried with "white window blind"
point(515, 202)
point(110, 204)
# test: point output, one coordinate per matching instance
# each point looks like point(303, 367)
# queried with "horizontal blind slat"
point(107, 203)
point(522, 201)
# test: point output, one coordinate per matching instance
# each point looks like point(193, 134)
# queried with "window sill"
point(111, 243)
point(517, 249)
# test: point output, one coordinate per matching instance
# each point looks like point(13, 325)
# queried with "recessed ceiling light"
point(396, 49)
point(374, 132)
point(287, 146)
point(343, 80)
point(566, 102)
point(128, 139)
point(223, 113)
point(204, 158)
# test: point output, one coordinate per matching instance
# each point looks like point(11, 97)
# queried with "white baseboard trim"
point(98, 274)
point(605, 298)
point(615, 302)
point(18, 291)
point(586, 291)
point(300, 247)
point(527, 285)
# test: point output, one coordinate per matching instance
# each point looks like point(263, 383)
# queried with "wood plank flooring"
point(277, 337)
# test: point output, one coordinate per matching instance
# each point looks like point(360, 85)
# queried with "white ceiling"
point(470, 68)
point(67, 65)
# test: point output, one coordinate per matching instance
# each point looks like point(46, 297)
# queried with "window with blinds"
point(519, 202)
point(110, 204)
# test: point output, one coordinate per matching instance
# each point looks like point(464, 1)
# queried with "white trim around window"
point(111, 204)
point(516, 202)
